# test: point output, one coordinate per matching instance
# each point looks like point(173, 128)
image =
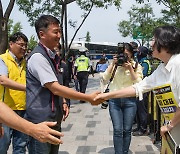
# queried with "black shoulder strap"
point(136, 65)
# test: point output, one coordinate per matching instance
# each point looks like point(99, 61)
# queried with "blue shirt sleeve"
point(97, 68)
point(3, 68)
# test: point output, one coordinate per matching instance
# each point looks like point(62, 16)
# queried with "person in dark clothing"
point(142, 105)
point(70, 63)
point(65, 74)
point(135, 49)
point(81, 71)
point(63, 69)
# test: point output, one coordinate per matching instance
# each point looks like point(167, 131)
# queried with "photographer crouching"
point(123, 72)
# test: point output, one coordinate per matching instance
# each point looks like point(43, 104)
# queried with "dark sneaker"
point(139, 133)
point(135, 130)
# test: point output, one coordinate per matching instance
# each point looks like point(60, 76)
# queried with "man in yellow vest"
point(12, 90)
point(81, 71)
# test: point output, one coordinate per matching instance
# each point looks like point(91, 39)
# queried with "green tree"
point(171, 15)
point(4, 17)
point(140, 24)
point(88, 37)
point(32, 42)
point(58, 8)
point(17, 27)
point(13, 28)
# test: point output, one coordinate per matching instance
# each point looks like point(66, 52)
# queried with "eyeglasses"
point(23, 46)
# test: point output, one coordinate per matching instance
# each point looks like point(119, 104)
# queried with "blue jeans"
point(19, 140)
point(122, 112)
point(36, 147)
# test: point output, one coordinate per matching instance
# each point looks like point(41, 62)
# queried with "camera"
point(104, 105)
point(121, 56)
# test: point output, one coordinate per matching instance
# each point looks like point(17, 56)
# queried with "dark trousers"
point(83, 80)
point(37, 147)
point(142, 113)
point(76, 82)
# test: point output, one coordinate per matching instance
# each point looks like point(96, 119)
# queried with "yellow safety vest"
point(82, 63)
point(149, 67)
point(15, 99)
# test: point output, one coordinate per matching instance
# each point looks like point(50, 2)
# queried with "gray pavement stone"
point(88, 130)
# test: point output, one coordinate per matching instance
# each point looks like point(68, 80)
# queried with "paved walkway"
point(88, 130)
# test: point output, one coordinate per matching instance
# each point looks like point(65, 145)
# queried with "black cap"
point(143, 50)
point(134, 45)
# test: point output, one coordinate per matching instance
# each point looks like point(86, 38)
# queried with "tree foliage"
point(13, 28)
point(140, 24)
point(142, 20)
point(88, 37)
point(17, 27)
point(58, 8)
point(34, 8)
point(171, 15)
point(32, 42)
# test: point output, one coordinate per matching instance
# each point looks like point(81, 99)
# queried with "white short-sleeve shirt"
point(164, 74)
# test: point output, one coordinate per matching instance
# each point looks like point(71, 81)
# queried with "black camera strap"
point(110, 80)
point(136, 65)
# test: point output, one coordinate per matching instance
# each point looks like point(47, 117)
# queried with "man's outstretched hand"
point(44, 133)
point(95, 102)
